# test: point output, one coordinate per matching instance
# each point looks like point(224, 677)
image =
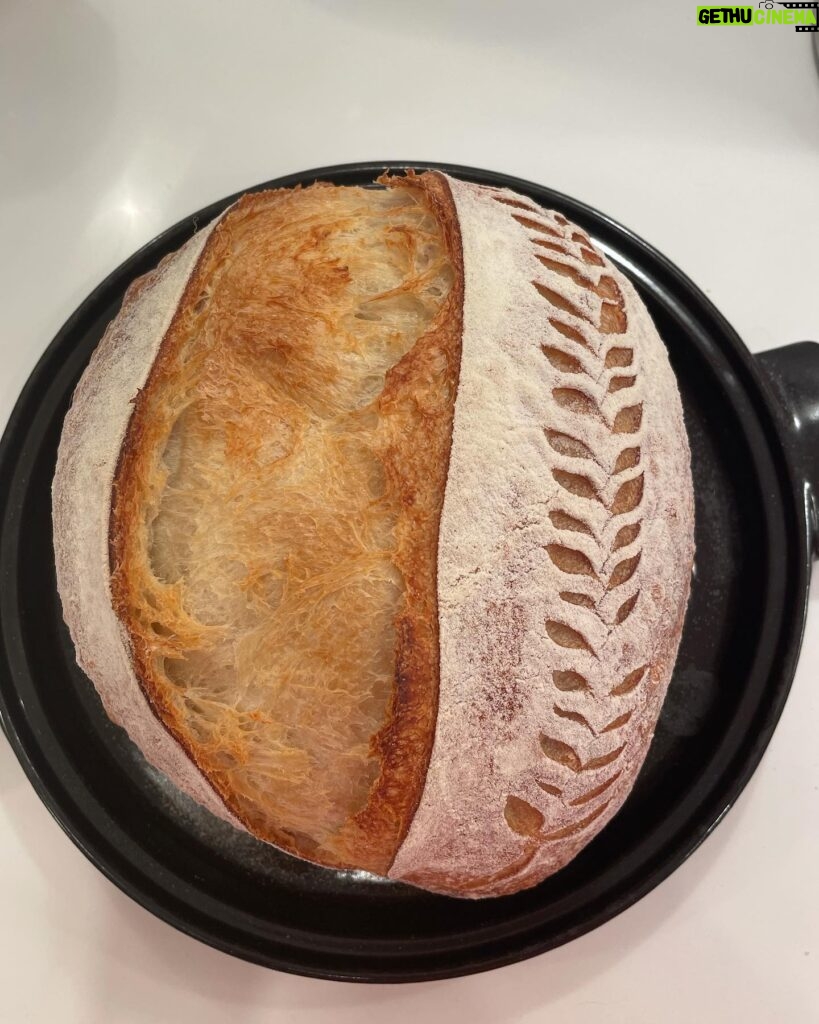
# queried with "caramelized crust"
point(274, 522)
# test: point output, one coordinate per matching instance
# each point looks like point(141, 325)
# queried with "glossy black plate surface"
point(736, 663)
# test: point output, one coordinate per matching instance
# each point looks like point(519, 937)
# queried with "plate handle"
point(793, 372)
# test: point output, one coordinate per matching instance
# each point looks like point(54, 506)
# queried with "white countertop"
point(117, 118)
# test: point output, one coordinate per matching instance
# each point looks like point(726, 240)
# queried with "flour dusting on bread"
point(92, 438)
point(564, 554)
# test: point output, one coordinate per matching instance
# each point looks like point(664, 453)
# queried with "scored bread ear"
point(273, 514)
point(565, 555)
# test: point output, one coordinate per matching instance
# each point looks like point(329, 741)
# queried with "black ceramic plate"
point(735, 665)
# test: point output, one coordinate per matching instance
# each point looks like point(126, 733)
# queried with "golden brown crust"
point(416, 457)
point(414, 412)
point(126, 510)
point(92, 436)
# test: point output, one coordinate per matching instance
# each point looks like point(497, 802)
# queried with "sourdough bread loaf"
point(373, 527)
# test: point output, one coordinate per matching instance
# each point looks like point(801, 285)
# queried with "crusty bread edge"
point(371, 837)
point(94, 443)
point(87, 459)
point(404, 744)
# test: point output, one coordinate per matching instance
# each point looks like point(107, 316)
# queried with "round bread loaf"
point(373, 524)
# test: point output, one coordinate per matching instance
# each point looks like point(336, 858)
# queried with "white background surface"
point(117, 118)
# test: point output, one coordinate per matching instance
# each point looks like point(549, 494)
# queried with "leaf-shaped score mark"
point(532, 225)
point(626, 608)
point(559, 301)
point(628, 420)
point(516, 204)
point(618, 722)
point(631, 682)
point(522, 817)
point(551, 246)
point(563, 753)
point(547, 787)
point(619, 356)
point(576, 483)
point(565, 444)
point(627, 459)
point(578, 826)
point(576, 402)
point(624, 571)
point(562, 360)
point(626, 535)
point(612, 319)
point(565, 271)
point(590, 256)
point(593, 793)
point(570, 561)
point(560, 752)
point(628, 496)
point(570, 332)
point(563, 521)
point(569, 681)
point(565, 636)
point(581, 600)
point(573, 716)
point(603, 759)
point(620, 384)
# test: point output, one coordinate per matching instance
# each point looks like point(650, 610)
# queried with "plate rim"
point(778, 687)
